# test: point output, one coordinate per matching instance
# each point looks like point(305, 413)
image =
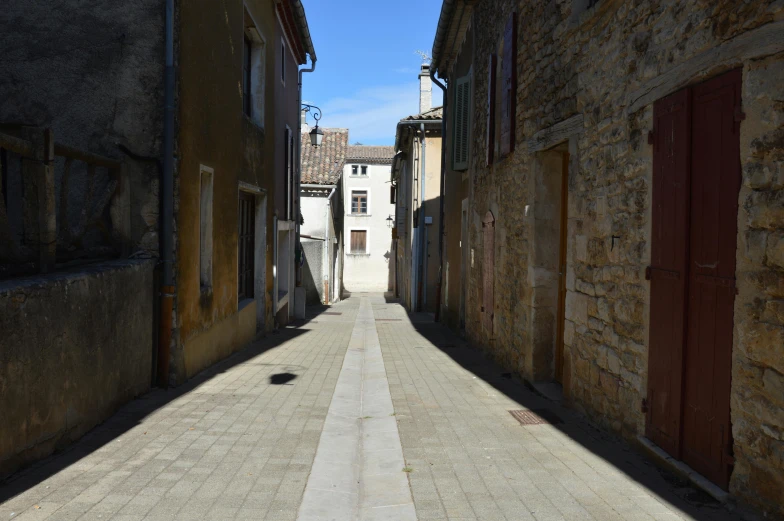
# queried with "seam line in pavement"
point(357, 473)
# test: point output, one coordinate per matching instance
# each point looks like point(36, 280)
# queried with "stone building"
point(367, 224)
point(321, 199)
point(124, 115)
point(614, 217)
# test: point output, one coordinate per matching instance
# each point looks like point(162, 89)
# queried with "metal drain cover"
point(536, 417)
point(389, 320)
point(331, 313)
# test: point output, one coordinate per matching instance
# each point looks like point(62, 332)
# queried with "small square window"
point(354, 169)
point(364, 170)
point(359, 202)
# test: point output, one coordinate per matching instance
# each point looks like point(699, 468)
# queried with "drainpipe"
point(327, 244)
point(441, 198)
point(423, 244)
point(167, 207)
point(298, 166)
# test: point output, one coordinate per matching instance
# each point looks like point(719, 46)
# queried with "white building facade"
point(369, 215)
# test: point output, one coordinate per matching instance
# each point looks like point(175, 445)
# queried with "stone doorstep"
point(664, 460)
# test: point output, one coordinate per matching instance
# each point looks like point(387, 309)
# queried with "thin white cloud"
point(372, 114)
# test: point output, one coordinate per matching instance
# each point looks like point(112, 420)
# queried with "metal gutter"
point(422, 236)
point(302, 20)
point(325, 187)
point(327, 217)
point(447, 10)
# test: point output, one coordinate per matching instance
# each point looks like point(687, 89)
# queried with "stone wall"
point(64, 367)
point(606, 66)
point(93, 72)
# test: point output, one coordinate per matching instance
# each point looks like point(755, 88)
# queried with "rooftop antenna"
point(426, 58)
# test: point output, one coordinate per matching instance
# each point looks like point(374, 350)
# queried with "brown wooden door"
point(715, 183)
point(561, 309)
point(696, 182)
point(669, 253)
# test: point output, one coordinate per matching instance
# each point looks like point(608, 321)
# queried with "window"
point(282, 61)
point(205, 229)
point(359, 202)
point(247, 49)
point(462, 123)
point(364, 170)
point(354, 169)
point(246, 245)
point(359, 241)
point(254, 72)
point(288, 174)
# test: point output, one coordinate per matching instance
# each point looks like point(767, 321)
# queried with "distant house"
point(416, 176)
point(321, 233)
point(369, 263)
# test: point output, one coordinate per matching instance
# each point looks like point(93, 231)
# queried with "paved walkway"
point(362, 413)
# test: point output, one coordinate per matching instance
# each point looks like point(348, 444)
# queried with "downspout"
point(298, 166)
point(442, 182)
point(168, 289)
point(327, 244)
point(422, 279)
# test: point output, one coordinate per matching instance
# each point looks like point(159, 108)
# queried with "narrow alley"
point(279, 432)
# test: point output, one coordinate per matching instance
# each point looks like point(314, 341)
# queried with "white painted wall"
point(370, 271)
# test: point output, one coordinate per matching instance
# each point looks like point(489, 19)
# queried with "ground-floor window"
point(246, 245)
point(358, 241)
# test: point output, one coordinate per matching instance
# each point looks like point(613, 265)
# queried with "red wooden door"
point(715, 184)
point(669, 254)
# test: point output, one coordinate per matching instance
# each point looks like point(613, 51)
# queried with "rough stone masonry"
point(600, 70)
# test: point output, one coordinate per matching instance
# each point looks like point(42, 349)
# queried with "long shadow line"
point(671, 488)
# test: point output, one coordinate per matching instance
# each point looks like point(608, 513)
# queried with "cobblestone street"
point(306, 414)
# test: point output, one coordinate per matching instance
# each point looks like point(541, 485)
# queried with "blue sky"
point(366, 76)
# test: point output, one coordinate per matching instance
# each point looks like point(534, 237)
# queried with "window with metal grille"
point(462, 123)
point(247, 49)
point(358, 241)
point(246, 245)
point(359, 202)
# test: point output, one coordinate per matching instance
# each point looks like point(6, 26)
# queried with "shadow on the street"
point(282, 378)
point(670, 488)
point(133, 413)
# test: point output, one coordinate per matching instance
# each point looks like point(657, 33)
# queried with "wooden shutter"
point(461, 123)
point(669, 256)
point(491, 86)
point(358, 241)
point(715, 184)
point(509, 87)
point(488, 272)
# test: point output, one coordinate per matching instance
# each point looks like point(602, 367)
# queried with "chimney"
point(425, 89)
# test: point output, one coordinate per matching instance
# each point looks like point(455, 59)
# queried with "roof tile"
point(324, 165)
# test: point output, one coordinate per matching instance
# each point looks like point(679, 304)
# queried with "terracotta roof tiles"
point(324, 165)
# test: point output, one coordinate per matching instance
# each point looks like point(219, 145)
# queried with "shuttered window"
point(358, 241)
point(509, 87)
point(491, 82)
point(461, 123)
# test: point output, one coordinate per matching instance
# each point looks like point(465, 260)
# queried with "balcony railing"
point(59, 205)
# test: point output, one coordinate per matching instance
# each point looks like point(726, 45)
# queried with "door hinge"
point(651, 137)
point(648, 271)
point(739, 114)
point(644, 405)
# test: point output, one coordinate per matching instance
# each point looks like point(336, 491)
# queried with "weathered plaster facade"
point(586, 83)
